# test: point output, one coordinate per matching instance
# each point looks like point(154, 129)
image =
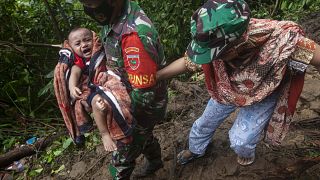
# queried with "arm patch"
point(140, 67)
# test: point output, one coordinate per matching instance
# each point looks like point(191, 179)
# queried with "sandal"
point(245, 161)
point(181, 159)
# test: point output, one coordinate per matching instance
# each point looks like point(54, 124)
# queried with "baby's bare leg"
point(100, 109)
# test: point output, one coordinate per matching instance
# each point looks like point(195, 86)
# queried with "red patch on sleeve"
point(140, 67)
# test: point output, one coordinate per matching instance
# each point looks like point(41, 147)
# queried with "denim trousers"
point(245, 131)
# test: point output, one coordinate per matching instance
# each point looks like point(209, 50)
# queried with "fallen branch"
point(40, 45)
point(27, 150)
point(16, 45)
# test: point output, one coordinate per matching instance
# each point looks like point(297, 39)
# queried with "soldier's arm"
point(141, 69)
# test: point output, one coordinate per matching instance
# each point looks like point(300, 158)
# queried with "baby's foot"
point(108, 143)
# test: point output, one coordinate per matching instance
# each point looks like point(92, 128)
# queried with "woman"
point(256, 65)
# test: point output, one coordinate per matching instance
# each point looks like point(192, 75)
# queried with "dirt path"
point(220, 161)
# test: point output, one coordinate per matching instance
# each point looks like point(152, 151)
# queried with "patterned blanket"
point(77, 116)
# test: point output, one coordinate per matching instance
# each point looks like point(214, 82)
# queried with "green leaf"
point(67, 143)
point(95, 139)
point(31, 114)
point(21, 99)
point(284, 5)
point(50, 74)
point(46, 88)
point(49, 158)
point(33, 173)
point(290, 6)
point(58, 170)
point(38, 170)
point(57, 152)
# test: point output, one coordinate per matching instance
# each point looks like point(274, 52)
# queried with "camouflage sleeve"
point(141, 69)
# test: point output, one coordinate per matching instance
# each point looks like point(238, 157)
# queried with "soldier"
point(256, 65)
point(133, 50)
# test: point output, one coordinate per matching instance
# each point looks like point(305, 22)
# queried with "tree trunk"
point(54, 21)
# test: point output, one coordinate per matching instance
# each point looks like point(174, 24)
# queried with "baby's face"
point(81, 42)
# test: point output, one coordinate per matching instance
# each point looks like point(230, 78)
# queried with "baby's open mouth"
point(87, 51)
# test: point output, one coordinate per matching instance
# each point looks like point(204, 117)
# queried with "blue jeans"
point(245, 131)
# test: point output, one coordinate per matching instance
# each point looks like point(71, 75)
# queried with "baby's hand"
point(75, 93)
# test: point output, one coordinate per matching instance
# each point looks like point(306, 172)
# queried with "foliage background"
point(27, 104)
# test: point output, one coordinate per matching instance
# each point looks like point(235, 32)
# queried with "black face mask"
point(102, 14)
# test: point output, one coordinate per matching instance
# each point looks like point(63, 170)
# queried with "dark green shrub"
point(172, 20)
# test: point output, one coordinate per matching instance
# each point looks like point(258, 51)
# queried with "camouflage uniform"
point(133, 50)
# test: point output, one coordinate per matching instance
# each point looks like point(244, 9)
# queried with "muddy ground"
point(284, 162)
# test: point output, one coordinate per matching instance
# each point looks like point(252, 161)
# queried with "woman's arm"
point(175, 68)
point(315, 61)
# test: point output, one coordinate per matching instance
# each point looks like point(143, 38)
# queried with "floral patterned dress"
point(271, 56)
